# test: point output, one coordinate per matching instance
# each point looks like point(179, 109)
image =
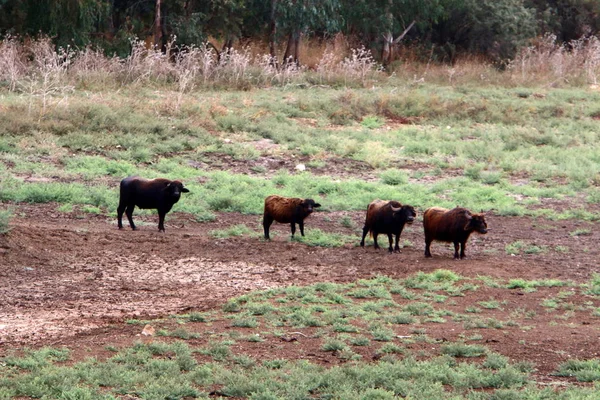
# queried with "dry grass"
point(34, 67)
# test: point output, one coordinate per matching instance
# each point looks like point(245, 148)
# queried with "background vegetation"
point(443, 29)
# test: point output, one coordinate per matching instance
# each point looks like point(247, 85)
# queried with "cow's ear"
point(185, 190)
point(317, 205)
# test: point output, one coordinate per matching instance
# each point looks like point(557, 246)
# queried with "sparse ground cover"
point(378, 338)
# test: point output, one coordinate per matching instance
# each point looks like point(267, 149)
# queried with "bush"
point(5, 217)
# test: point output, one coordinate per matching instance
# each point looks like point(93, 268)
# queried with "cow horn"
point(468, 215)
point(396, 209)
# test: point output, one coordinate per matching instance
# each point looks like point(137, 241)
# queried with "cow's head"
point(308, 205)
point(405, 212)
point(476, 222)
point(174, 190)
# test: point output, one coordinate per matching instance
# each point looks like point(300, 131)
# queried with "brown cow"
point(159, 194)
point(454, 226)
point(388, 217)
point(287, 210)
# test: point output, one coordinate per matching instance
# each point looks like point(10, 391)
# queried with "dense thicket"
point(495, 28)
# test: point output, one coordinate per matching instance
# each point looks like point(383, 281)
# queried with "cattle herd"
point(385, 217)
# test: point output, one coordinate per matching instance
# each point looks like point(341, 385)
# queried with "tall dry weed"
point(47, 78)
point(12, 62)
point(40, 71)
point(550, 61)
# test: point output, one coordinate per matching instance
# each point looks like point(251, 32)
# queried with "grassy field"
point(383, 337)
point(512, 151)
point(516, 151)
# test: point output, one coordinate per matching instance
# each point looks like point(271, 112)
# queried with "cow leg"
point(390, 249)
point(364, 235)
point(267, 221)
point(293, 228)
point(375, 233)
point(129, 213)
point(427, 245)
point(301, 226)
point(462, 249)
point(397, 246)
point(120, 211)
point(161, 221)
point(456, 245)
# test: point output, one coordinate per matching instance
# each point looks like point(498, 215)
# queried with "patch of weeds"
point(593, 286)
point(245, 322)
point(394, 177)
point(418, 308)
point(550, 303)
point(382, 334)
point(218, 351)
point(476, 337)
point(36, 359)
point(581, 232)
point(377, 292)
point(319, 238)
point(490, 304)
point(582, 370)
point(359, 341)
point(5, 217)
point(334, 345)
point(233, 231)
point(441, 279)
point(402, 319)
point(232, 306)
point(65, 208)
point(243, 360)
point(489, 281)
point(372, 122)
point(196, 317)
point(390, 348)
point(180, 333)
point(402, 292)
point(463, 350)
point(535, 249)
point(514, 247)
point(347, 222)
point(274, 364)
point(345, 328)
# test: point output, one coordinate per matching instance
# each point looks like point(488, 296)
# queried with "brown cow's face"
point(477, 223)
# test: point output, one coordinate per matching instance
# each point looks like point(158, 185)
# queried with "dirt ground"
point(72, 278)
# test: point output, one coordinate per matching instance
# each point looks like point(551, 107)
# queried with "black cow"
point(388, 217)
point(159, 194)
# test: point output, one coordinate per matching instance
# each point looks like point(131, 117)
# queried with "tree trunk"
point(158, 34)
point(292, 51)
point(273, 34)
point(387, 49)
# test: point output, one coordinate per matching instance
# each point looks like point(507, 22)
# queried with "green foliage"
point(5, 217)
point(582, 370)
point(394, 177)
point(463, 350)
point(233, 231)
point(317, 237)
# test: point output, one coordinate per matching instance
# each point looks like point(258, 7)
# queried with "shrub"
point(5, 217)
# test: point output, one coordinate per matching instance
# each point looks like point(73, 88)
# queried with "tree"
point(377, 22)
point(496, 28)
point(567, 19)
